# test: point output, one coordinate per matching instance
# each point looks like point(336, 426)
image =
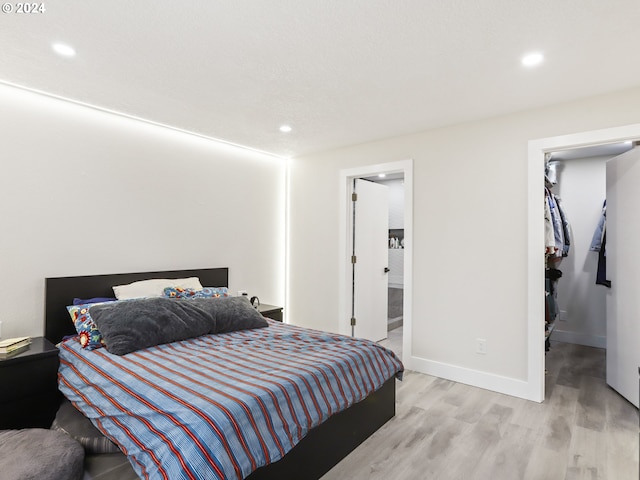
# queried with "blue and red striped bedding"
point(221, 406)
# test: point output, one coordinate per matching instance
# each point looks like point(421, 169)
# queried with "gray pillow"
point(72, 422)
point(135, 324)
point(232, 313)
point(36, 453)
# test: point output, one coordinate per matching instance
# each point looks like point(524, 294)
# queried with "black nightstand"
point(29, 395)
point(271, 311)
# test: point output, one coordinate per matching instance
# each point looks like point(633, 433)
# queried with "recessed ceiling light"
point(285, 128)
point(382, 175)
point(64, 50)
point(532, 59)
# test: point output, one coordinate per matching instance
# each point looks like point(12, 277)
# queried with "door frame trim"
point(535, 238)
point(345, 178)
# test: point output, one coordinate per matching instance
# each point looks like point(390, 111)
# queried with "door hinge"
point(354, 197)
point(353, 321)
point(353, 259)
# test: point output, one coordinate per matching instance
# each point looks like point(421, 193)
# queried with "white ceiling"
point(340, 72)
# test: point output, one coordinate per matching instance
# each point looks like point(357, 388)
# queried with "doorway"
point(536, 307)
point(577, 181)
point(401, 168)
point(394, 182)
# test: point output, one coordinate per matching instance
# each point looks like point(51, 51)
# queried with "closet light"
point(285, 128)
point(64, 50)
point(532, 59)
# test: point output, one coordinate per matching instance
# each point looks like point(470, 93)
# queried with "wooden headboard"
point(60, 292)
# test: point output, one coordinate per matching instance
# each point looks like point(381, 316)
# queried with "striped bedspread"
point(221, 406)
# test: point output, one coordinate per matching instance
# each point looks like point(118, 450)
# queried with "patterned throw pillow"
point(206, 292)
point(90, 336)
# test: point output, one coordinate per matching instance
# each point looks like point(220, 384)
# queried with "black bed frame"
point(321, 449)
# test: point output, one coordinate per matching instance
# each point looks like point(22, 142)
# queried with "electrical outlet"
point(242, 292)
point(481, 346)
point(563, 315)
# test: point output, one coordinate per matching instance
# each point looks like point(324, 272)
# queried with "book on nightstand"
point(13, 353)
point(12, 345)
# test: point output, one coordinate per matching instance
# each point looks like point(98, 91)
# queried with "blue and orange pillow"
point(89, 335)
point(206, 292)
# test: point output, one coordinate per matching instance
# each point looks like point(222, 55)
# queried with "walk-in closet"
point(576, 280)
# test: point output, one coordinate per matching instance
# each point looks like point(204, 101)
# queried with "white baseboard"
point(579, 338)
point(475, 378)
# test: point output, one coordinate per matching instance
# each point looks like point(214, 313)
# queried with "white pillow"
point(154, 287)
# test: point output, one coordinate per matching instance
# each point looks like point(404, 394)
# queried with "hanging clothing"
point(549, 238)
point(557, 235)
point(566, 227)
point(599, 244)
point(601, 275)
point(551, 289)
point(596, 241)
point(556, 223)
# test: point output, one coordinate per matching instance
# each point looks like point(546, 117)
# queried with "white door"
point(371, 240)
point(623, 269)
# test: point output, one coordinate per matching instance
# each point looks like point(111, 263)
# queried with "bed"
point(284, 429)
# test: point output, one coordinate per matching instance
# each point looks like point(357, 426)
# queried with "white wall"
point(470, 234)
point(86, 192)
point(582, 188)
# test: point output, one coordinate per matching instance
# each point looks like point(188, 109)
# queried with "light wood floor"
point(446, 430)
point(449, 431)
